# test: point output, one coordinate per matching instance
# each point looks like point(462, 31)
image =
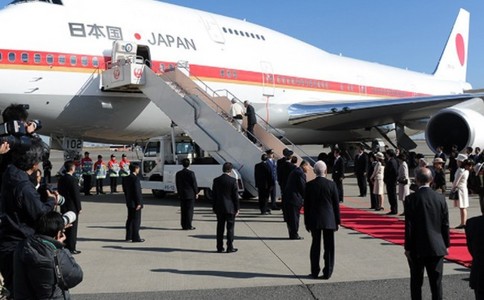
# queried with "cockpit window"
point(48, 1)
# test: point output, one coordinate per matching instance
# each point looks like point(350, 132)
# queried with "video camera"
point(16, 135)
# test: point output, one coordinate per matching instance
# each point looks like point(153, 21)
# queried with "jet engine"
point(460, 125)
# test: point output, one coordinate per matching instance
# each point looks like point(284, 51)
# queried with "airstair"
point(204, 117)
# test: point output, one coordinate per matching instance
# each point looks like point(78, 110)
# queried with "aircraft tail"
point(453, 62)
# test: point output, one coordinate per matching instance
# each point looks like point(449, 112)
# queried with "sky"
point(407, 34)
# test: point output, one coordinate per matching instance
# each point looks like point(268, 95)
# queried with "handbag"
point(454, 195)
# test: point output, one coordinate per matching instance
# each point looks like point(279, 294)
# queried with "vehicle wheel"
point(208, 194)
point(159, 193)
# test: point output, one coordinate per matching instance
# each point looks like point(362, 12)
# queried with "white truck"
point(162, 160)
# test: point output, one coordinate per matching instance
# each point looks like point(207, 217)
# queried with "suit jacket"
point(295, 188)
point(338, 169)
point(225, 195)
point(68, 186)
point(132, 191)
point(283, 168)
point(250, 113)
point(426, 223)
point(390, 174)
point(361, 163)
point(186, 184)
point(321, 205)
point(475, 244)
point(263, 176)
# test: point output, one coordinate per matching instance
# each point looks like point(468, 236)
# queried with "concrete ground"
point(177, 264)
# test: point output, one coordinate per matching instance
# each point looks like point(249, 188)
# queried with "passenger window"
point(84, 61)
point(236, 32)
point(11, 57)
point(224, 29)
point(62, 59)
point(1, 56)
point(37, 58)
point(262, 37)
point(73, 60)
point(95, 62)
point(222, 73)
point(50, 59)
point(25, 58)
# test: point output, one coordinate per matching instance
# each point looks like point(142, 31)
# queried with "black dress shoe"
point(220, 250)
point(74, 252)
point(296, 238)
point(275, 208)
point(192, 228)
point(326, 277)
point(139, 241)
point(391, 213)
point(460, 227)
point(232, 250)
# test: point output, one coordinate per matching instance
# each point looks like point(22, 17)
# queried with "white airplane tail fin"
point(453, 62)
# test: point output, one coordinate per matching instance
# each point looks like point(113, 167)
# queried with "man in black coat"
point(338, 172)
point(226, 207)
point(187, 188)
point(68, 187)
point(294, 198)
point(361, 169)
point(321, 214)
point(264, 183)
point(251, 121)
point(284, 167)
point(134, 203)
point(426, 235)
point(475, 244)
point(390, 176)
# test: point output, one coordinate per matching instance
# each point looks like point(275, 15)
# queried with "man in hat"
point(438, 184)
point(284, 168)
point(272, 166)
point(86, 168)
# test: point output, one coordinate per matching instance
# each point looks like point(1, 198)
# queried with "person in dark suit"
point(225, 206)
point(294, 198)
point(186, 186)
point(271, 162)
point(361, 169)
point(390, 176)
point(283, 168)
point(263, 183)
point(426, 235)
point(251, 121)
point(68, 186)
point(134, 203)
point(475, 244)
point(321, 215)
point(338, 172)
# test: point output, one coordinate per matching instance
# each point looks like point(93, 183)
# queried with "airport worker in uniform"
point(113, 172)
point(124, 169)
point(100, 171)
point(86, 166)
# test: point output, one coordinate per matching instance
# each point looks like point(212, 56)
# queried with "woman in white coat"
point(403, 179)
point(460, 185)
point(377, 179)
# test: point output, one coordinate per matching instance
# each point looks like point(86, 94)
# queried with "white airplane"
point(52, 52)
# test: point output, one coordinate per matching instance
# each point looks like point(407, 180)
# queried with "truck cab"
point(162, 158)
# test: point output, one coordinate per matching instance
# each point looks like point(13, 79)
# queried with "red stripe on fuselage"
point(55, 61)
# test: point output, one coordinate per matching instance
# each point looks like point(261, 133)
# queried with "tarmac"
point(177, 264)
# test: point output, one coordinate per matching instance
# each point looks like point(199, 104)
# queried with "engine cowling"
point(460, 125)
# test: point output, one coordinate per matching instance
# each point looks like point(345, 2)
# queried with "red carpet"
point(392, 229)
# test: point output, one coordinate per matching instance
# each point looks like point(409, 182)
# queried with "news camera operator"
point(21, 203)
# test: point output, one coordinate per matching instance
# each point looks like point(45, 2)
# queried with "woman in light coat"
point(403, 179)
point(377, 179)
point(460, 185)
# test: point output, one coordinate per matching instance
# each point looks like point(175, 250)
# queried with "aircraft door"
point(267, 79)
point(144, 52)
point(213, 29)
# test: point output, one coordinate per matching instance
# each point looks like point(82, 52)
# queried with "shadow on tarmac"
point(235, 275)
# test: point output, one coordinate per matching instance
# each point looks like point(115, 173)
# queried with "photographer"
point(21, 204)
point(44, 269)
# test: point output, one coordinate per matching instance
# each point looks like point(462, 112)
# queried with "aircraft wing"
point(370, 113)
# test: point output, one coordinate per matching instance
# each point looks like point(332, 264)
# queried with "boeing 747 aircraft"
point(53, 51)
